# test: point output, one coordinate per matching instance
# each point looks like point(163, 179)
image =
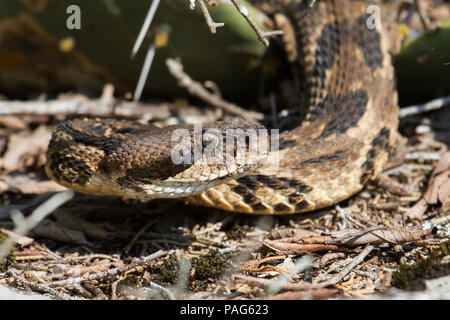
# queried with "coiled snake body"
point(347, 87)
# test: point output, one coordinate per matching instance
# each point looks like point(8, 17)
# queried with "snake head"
point(127, 159)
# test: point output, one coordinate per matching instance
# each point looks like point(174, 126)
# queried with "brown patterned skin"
point(346, 81)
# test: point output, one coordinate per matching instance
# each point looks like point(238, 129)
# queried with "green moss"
point(236, 232)
point(411, 277)
point(9, 259)
point(131, 281)
point(166, 271)
point(208, 268)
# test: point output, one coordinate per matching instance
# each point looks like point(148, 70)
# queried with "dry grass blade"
point(93, 108)
point(144, 72)
point(147, 22)
point(425, 107)
point(262, 36)
point(301, 265)
point(209, 21)
point(26, 224)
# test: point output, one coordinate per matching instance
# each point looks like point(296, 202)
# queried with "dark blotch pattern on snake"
point(346, 82)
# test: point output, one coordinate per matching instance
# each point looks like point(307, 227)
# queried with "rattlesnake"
point(344, 70)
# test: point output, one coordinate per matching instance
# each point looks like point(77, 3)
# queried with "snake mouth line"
point(178, 188)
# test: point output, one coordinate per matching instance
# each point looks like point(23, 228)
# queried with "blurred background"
point(40, 54)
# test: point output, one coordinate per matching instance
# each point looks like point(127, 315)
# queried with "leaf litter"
point(390, 240)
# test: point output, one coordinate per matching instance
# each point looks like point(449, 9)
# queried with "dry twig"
point(144, 72)
point(209, 21)
point(264, 283)
point(147, 22)
point(356, 261)
point(243, 10)
point(425, 107)
point(110, 272)
point(40, 287)
point(137, 235)
point(196, 89)
point(262, 35)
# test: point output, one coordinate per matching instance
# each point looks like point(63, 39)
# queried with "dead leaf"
point(439, 186)
point(360, 237)
point(438, 190)
point(23, 147)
